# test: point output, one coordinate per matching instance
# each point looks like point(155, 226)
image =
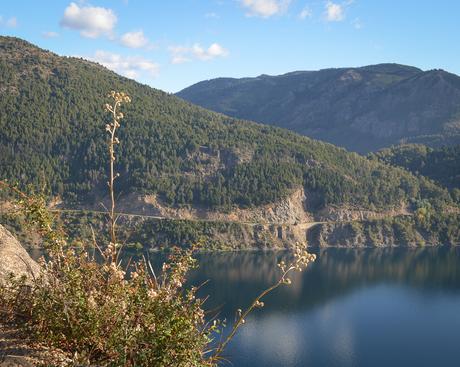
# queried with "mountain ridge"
point(183, 161)
point(181, 155)
point(362, 109)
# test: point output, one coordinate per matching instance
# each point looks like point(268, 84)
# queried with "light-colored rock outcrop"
point(289, 210)
point(14, 258)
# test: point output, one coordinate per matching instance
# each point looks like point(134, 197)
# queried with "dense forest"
point(52, 135)
point(441, 164)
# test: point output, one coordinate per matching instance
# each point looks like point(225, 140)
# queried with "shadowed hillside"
point(362, 109)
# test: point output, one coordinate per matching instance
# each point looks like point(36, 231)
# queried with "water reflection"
point(353, 307)
point(363, 307)
point(236, 277)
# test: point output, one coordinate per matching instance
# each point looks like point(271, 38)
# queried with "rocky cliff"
point(288, 210)
point(440, 229)
point(14, 259)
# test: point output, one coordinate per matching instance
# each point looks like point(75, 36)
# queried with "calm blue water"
point(366, 307)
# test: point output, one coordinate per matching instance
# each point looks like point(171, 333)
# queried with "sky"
point(172, 44)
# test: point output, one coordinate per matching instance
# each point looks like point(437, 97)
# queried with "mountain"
point(439, 164)
point(362, 109)
point(178, 159)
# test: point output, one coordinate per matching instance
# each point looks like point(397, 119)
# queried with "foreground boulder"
point(14, 258)
point(17, 349)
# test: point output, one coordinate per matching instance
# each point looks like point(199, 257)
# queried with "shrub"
point(103, 313)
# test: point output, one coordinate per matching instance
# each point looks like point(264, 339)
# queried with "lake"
point(352, 307)
point(396, 307)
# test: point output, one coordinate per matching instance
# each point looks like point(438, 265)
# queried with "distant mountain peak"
point(360, 108)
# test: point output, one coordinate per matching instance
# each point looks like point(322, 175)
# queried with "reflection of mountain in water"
point(236, 278)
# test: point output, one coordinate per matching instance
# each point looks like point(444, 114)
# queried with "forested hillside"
point(441, 165)
point(362, 109)
point(52, 132)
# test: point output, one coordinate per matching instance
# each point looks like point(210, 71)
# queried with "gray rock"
point(14, 258)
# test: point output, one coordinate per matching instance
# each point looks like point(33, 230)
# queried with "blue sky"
point(171, 44)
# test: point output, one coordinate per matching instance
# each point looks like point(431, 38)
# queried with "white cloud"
point(135, 39)
point(92, 22)
point(182, 54)
point(50, 34)
point(130, 66)
point(334, 12)
point(10, 22)
point(265, 8)
point(212, 15)
point(305, 13)
point(178, 58)
point(213, 51)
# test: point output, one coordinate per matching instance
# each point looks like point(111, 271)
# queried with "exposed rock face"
point(349, 214)
point(289, 210)
point(273, 226)
point(347, 235)
point(17, 349)
point(14, 258)
point(277, 225)
point(396, 231)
